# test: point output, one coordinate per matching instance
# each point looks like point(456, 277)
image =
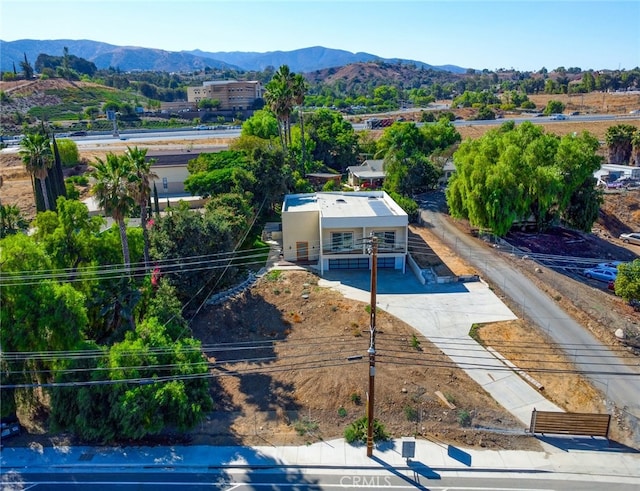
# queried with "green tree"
point(512, 173)
point(209, 104)
point(163, 385)
point(263, 124)
point(628, 280)
point(335, 141)
point(68, 235)
point(554, 107)
point(182, 233)
point(114, 177)
point(407, 152)
point(141, 190)
point(36, 154)
point(38, 315)
point(69, 154)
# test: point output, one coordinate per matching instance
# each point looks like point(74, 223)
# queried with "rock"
point(404, 390)
point(620, 334)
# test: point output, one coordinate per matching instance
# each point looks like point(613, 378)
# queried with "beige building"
point(333, 229)
point(232, 94)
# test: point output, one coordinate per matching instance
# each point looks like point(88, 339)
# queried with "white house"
point(611, 172)
point(333, 229)
point(370, 174)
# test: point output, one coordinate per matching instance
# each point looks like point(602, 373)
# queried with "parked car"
point(9, 428)
point(78, 133)
point(601, 274)
point(632, 238)
point(610, 265)
point(201, 127)
point(558, 117)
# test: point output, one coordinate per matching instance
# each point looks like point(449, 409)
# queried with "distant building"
point(232, 94)
point(331, 230)
point(370, 174)
point(447, 171)
point(612, 172)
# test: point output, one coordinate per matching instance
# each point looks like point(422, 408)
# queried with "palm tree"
point(279, 97)
point(635, 149)
point(141, 190)
point(114, 178)
point(37, 157)
point(299, 88)
point(618, 140)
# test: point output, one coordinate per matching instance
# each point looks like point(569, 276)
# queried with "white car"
point(633, 238)
point(558, 117)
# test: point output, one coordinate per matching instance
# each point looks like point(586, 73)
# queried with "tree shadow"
point(239, 338)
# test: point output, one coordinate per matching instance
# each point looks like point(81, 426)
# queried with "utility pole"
point(372, 345)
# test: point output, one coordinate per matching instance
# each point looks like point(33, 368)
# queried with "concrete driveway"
point(444, 314)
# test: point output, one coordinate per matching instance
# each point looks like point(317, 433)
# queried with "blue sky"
point(525, 35)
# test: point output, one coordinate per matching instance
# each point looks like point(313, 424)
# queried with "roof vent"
point(340, 200)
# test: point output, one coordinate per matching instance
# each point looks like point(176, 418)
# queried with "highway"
point(140, 137)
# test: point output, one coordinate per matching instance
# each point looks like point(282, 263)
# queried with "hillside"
point(133, 58)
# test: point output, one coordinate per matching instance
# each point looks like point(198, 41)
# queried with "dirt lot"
point(307, 391)
point(293, 397)
point(280, 406)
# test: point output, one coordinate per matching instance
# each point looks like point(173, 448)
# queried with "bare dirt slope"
point(292, 382)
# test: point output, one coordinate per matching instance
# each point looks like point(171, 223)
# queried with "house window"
point(386, 240)
point(341, 241)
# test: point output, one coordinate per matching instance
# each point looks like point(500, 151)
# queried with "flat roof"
point(350, 204)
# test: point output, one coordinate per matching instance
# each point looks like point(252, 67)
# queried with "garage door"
point(355, 263)
point(386, 262)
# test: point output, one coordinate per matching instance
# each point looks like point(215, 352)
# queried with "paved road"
point(417, 477)
point(619, 383)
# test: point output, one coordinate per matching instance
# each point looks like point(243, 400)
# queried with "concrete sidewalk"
point(569, 457)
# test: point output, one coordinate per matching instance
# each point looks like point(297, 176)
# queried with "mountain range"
point(132, 58)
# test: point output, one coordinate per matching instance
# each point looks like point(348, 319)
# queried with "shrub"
point(72, 192)
point(342, 412)
point(304, 426)
point(410, 413)
point(415, 342)
point(273, 275)
point(356, 399)
point(356, 432)
point(464, 418)
point(474, 333)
